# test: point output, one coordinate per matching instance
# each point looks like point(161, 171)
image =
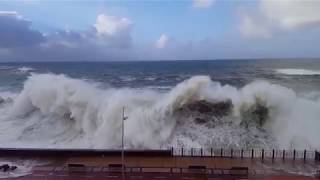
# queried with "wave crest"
point(58, 111)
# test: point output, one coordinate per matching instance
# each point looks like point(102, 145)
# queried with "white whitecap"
point(305, 72)
point(5, 67)
point(25, 69)
point(127, 78)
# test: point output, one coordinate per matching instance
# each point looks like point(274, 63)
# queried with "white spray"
point(61, 112)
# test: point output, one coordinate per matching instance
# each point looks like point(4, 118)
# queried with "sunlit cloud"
point(203, 3)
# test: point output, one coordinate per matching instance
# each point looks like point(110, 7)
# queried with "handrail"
point(249, 153)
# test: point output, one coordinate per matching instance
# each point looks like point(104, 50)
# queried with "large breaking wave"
point(60, 112)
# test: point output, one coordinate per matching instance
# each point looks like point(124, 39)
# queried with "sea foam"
point(61, 112)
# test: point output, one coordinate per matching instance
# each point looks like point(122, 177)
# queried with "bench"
point(76, 168)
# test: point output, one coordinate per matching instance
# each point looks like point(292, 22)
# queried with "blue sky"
point(159, 29)
point(151, 18)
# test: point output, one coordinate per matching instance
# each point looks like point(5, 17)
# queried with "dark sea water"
point(166, 74)
point(79, 104)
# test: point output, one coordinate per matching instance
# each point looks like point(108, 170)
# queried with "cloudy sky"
point(70, 30)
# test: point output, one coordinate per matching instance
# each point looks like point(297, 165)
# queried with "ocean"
point(220, 104)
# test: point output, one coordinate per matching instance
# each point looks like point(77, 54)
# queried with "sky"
point(117, 30)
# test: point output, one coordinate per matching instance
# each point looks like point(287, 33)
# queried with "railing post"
point(241, 153)
point(294, 154)
point(201, 152)
point(211, 152)
point(221, 152)
point(172, 154)
point(182, 151)
point(252, 153)
point(304, 155)
point(191, 152)
point(262, 154)
point(283, 154)
point(272, 154)
point(231, 153)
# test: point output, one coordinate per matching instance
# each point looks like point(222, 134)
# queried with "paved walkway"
point(150, 176)
point(261, 167)
point(258, 169)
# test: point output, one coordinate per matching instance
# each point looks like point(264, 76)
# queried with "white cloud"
point(111, 25)
point(33, 2)
point(10, 13)
point(251, 28)
point(162, 41)
point(291, 14)
point(4, 51)
point(17, 32)
point(203, 3)
point(283, 15)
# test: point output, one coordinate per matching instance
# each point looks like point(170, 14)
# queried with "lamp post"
point(122, 144)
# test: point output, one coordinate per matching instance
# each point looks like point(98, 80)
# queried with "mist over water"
point(251, 105)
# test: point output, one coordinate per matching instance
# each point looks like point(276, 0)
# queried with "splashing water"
point(60, 112)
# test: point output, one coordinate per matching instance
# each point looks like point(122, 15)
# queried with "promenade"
point(164, 165)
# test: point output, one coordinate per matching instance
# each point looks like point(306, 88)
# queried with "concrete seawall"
point(31, 152)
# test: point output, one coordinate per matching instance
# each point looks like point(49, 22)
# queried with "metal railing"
point(251, 153)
